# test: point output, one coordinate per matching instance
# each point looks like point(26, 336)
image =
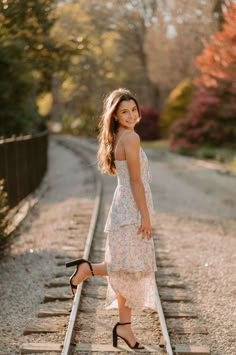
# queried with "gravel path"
point(196, 220)
point(183, 187)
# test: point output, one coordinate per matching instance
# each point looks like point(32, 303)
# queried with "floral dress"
point(131, 262)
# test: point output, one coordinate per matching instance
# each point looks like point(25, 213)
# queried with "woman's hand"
point(145, 228)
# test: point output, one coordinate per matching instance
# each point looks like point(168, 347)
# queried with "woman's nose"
point(129, 115)
point(134, 115)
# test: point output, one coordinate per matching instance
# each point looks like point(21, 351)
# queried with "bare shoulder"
point(131, 138)
point(131, 144)
point(132, 149)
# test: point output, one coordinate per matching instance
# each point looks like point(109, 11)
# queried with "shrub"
point(148, 126)
point(176, 105)
point(206, 123)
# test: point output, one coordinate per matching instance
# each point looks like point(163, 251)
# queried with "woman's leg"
point(84, 272)
point(125, 331)
point(125, 316)
point(124, 312)
point(100, 269)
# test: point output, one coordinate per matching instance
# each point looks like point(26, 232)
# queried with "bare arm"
point(132, 152)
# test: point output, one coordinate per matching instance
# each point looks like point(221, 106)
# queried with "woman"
point(129, 253)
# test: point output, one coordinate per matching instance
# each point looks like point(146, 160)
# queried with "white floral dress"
point(131, 262)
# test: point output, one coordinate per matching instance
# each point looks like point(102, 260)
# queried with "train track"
point(83, 325)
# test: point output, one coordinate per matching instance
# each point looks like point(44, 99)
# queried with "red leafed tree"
point(218, 60)
point(211, 118)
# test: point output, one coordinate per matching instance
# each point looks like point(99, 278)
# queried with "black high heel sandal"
point(115, 338)
point(77, 262)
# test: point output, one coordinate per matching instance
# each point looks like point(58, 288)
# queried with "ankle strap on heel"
point(91, 269)
point(124, 323)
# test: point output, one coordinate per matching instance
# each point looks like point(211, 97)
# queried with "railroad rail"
point(82, 326)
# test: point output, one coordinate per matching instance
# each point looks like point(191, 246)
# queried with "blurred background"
point(58, 60)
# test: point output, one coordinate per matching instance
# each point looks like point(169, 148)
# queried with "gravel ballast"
point(195, 223)
point(31, 260)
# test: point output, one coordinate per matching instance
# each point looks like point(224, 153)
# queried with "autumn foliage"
point(218, 61)
point(211, 119)
point(148, 127)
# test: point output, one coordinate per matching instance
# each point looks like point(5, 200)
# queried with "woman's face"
point(127, 114)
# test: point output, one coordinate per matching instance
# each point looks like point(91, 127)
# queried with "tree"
point(17, 88)
point(218, 11)
point(217, 63)
point(110, 43)
point(28, 58)
point(212, 115)
point(175, 39)
point(130, 21)
point(77, 92)
point(30, 23)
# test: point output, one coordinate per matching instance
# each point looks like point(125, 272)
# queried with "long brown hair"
point(108, 127)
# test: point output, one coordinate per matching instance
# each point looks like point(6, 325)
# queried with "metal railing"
point(23, 163)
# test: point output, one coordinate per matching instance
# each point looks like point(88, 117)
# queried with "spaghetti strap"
point(119, 142)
